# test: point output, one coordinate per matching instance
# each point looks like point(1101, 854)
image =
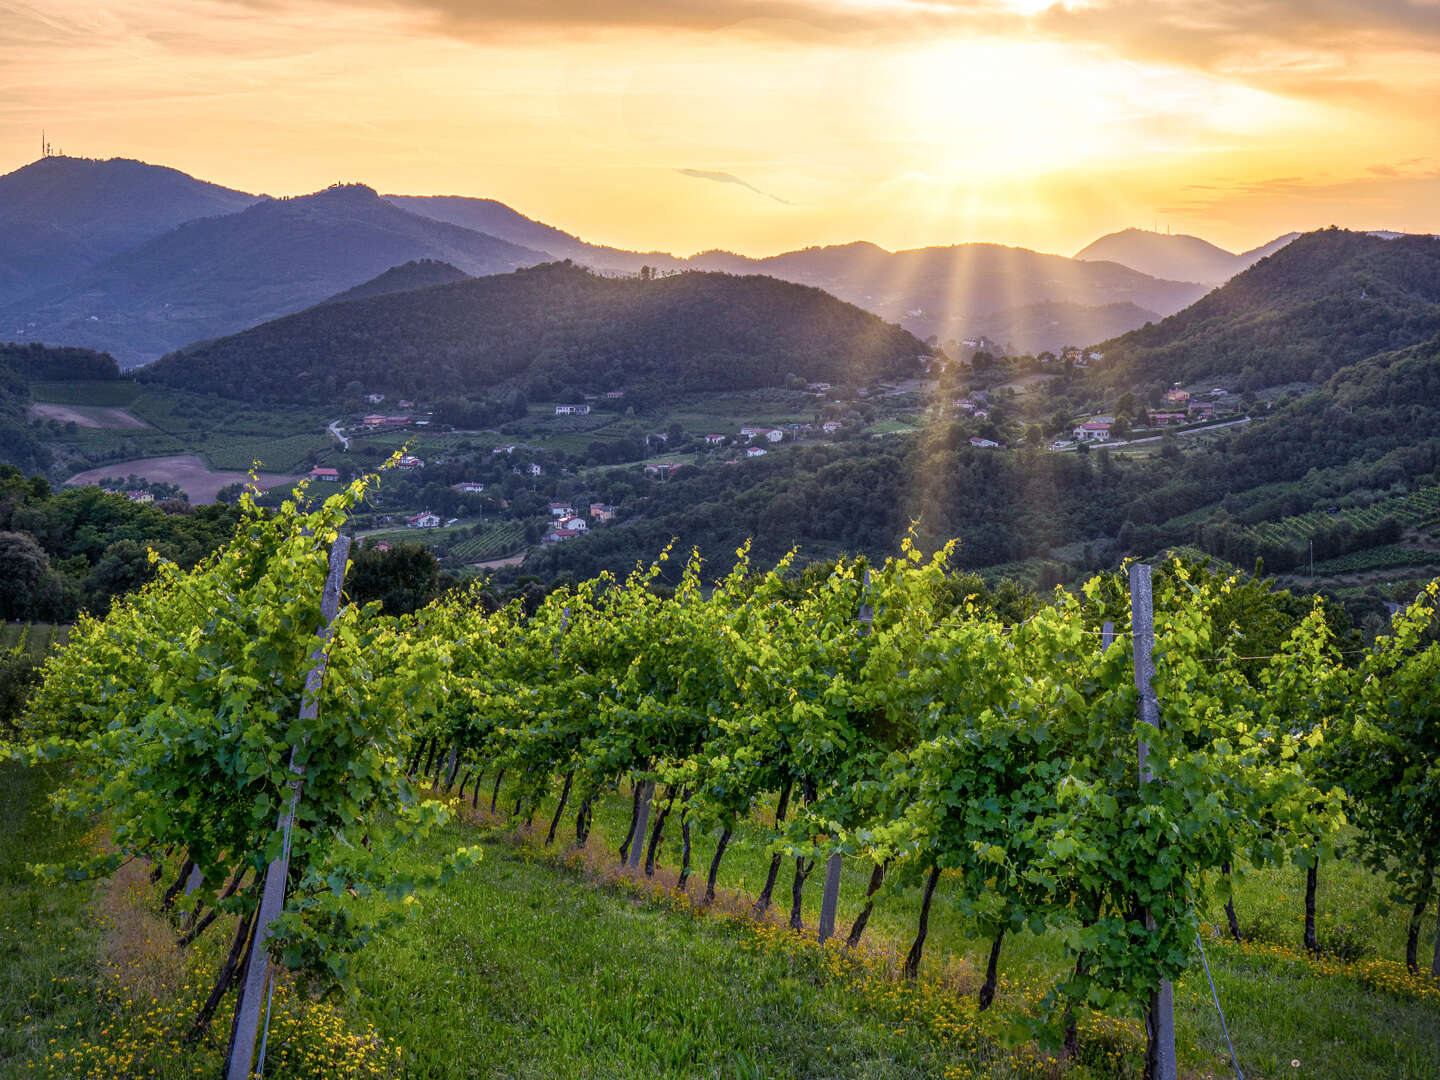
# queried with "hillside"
point(1180, 258)
point(555, 330)
point(217, 275)
point(415, 274)
point(1328, 299)
point(1035, 328)
point(61, 216)
point(21, 365)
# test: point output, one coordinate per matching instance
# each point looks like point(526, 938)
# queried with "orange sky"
point(904, 122)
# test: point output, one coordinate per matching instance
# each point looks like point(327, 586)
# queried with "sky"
point(765, 125)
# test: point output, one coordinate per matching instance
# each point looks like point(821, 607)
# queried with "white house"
point(319, 472)
point(533, 469)
point(754, 451)
point(830, 427)
point(410, 461)
point(561, 510)
point(423, 520)
point(714, 440)
point(1092, 431)
point(469, 487)
point(573, 524)
point(572, 410)
point(977, 441)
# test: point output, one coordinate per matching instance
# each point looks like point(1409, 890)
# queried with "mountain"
point(496, 219)
point(1325, 300)
point(949, 292)
point(217, 275)
point(944, 291)
point(415, 274)
point(553, 329)
point(60, 216)
point(1178, 257)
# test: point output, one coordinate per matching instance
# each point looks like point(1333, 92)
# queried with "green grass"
point(46, 933)
point(86, 392)
point(1278, 1008)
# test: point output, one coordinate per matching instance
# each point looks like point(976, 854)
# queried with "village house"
point(830, 427)
point(1177, 396)
point(769, 434)
point(1201, 410)
point(572, 410)
point(714, 440)
point(509, 448)
point(319, 472)
point(976, 440)
point(555, 536)
point(407, 404)
point(1093, 431)
point(572, 523)
point(662, 469)
point(754, 451)
point(818, 387)
point(602, 511)
point(374, 420)
point(469, 487)
point(534, 469)
point(561, 510)
point(397, 421)
point(374, 399)
point(140, 496)
point(423, 520)
point(614, 395)
point(1165, 419)
point(410, 461)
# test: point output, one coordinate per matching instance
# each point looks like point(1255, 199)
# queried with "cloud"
point(730, 178)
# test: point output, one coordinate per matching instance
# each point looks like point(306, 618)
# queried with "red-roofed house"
point(319, 472)
point(1093, 431)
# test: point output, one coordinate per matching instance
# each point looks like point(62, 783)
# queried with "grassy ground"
point(538, 964)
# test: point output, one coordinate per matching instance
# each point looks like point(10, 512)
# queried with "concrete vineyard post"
point(251, 1002)
point(1160, 1015)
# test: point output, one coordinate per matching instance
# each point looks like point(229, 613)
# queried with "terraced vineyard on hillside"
point(1420, 507)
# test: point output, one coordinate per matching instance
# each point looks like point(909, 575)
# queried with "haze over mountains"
point(1178, 257)
point(139, 260)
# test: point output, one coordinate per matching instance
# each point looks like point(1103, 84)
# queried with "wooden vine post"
point(1160, 1014)
point(251, 1003)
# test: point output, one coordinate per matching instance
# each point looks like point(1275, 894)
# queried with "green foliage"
point(180, 714)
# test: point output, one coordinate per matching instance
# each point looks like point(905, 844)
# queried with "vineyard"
point(492, 542)
point(1415, 508)
point(1386, 557)
point(1083, 785)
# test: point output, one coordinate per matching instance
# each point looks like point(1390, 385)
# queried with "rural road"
point(334, 429)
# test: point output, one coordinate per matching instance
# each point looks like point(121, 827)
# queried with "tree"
point(24, 567)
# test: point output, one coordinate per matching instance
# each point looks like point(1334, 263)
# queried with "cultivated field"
point(187, 472)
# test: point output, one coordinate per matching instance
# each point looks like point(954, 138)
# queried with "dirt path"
point(189, 473)
point(91, 416)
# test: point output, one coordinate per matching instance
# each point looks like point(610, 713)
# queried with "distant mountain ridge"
point(61, 216)
point(550, 330)
point(1325, 300)
point(216, 275)
point(1176, 258)
point(125, 256)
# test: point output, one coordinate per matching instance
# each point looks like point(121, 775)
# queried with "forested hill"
point(1327, 299)
point(415, 274)
point(553, 330)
